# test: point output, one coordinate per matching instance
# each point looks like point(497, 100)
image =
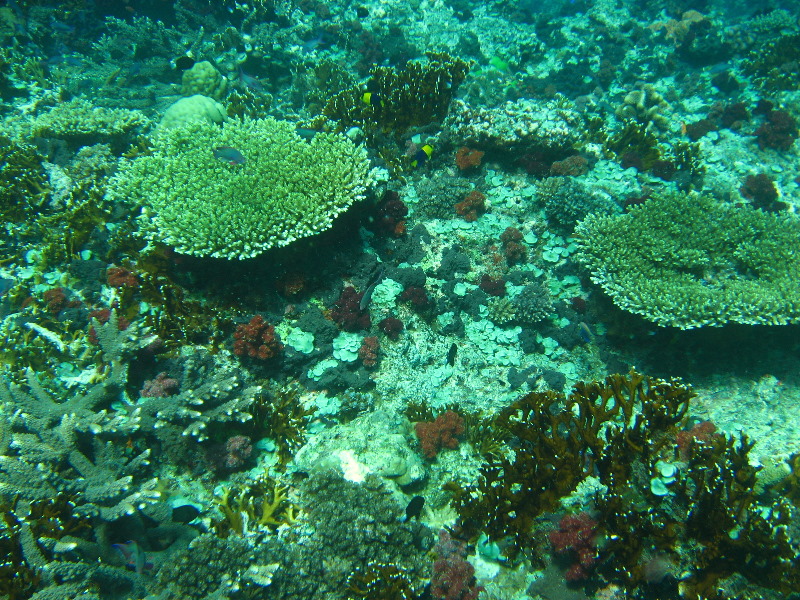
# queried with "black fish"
point(183, 63)
point(451, 354)
point(414, 508)
point(184, 513)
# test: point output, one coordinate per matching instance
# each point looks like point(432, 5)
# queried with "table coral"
point(286, 189)
point(690, 261)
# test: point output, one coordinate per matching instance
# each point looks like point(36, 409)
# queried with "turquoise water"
point(399, 300)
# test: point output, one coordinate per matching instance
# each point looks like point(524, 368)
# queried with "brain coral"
point(687, 261)
point(269, 188)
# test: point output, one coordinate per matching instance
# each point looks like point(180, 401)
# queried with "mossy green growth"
point(276, 189)
point(690, 261)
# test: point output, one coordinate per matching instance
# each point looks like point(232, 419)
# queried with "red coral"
point(392, 213)
point(572, 166)
point(291, 284)
point(494, 286)
point(441, 433)
point(700, 433)
point(468, 158)
point(779, 132)
point(56, 299)
point(120, 277)
point(472, 206)
point(256, 339)
point(160, 387)
point(416, 295)
point(453, 578)
point(762, 191)
point(512, 248)
point(368, 352)
point(577, 536)
point(391, 327)
point(347, 313)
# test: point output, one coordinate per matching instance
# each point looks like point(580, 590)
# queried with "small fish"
point(306, 133)
point(250, 82)
point(367, 295)
point(414, 509)
point(317, 42)
point(585, 332)
point(422, 155)
point(134, 555)
point(184, 513)
point(6, 284)
point(230, 155)
point(372, 98)
point(451, 354)
point(60, 27)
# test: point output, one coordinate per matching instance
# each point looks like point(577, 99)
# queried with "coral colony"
point(399, 300)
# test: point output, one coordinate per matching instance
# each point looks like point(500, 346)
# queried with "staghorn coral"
point(688, 261)
point(49, 432)
point(286, 188)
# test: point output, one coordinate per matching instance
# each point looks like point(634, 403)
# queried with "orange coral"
point(471, 206)
point(468, 158)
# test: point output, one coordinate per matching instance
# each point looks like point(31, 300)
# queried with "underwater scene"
point(400, 300)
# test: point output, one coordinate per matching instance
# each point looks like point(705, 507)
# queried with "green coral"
point(286, 189)
point(81, 122)
point(688, 261)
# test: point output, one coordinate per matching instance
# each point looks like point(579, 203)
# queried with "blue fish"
point(134, 555)
point(230, 155)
